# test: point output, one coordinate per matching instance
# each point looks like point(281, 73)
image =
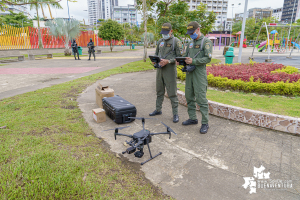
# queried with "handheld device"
point(155, 59)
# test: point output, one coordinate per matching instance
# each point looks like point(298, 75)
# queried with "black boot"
point(155, 113)
point(204, 128)
point(175, 118)
point(190, 121)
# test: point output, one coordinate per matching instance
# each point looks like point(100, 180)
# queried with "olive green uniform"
point(166, 77)
point(196, 81)
point(91, 49)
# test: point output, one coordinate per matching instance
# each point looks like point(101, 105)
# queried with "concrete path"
point(195, 166)
point(29, 75)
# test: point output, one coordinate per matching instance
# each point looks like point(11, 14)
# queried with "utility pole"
point(286, 45)
point(243, 32)
point(145, 28)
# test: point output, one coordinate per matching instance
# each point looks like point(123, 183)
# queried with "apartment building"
point(100, 9)
point(277, 13)
point(289, 10)
point(220, 7)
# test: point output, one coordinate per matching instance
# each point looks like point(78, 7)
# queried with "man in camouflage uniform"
point(167, 49)
point(91, 47)
point(75, 49)
point(198, 54)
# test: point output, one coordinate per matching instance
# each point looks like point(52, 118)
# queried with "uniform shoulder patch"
point(207, 46)
point(161, 44)
point(191, 45)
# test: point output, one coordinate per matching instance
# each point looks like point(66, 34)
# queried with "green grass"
point(266, 103)
point(214, 61)
point(120, 51)
point(45, 151)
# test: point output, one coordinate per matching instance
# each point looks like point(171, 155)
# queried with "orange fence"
point(27, 38)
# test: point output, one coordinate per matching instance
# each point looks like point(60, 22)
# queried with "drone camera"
point(130, 150)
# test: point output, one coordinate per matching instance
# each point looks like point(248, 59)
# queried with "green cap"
point(191, 27)
point(165, 28)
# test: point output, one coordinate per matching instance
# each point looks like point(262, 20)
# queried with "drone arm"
point(161, 134)
point(121, 134)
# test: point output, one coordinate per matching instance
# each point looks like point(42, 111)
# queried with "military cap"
point(165, 29)
point(191, 27)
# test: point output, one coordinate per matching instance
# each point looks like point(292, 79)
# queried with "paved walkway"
point(195, 166)
point(29, 75)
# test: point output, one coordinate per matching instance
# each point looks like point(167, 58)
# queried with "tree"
point(35, 4)
point(150, 38)
point(111, 30)
point(67, 29)
point(16, 19)
point(131, 33)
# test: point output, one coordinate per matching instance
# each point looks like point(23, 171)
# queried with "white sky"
point(77, 9)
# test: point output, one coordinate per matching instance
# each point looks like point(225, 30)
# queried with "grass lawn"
point(266, 103)
point(48, 151)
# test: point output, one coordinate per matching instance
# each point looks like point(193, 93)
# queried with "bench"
point(39, 52)
point(7, 54)
point(98, 50)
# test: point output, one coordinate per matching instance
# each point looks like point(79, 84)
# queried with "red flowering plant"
point(259, 71)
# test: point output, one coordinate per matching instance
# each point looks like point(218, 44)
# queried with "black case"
point(118, 109)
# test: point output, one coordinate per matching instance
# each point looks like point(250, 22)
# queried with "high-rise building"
point(126, 14)
point(260, 13)
point(289, 10)
point(220, 7)
point(277, 13)
point(100, 9)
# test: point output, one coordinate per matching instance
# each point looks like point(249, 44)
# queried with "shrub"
point(287, 69)
point(254, 77)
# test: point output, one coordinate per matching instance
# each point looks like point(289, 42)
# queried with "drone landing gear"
point(150, 155)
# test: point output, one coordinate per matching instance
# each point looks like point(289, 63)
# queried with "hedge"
point(280, 87)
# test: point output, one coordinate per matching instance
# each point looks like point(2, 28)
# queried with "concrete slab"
point(192, 165)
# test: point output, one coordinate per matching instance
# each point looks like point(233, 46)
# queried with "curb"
point(263, 119)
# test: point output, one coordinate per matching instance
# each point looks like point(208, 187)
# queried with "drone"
point(141, 138)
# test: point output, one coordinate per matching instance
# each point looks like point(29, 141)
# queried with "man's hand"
point(189, 60)
point(177, 63)
point(164, 62)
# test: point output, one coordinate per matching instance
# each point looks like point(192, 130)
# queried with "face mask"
point(166, 36)
point(194, 36)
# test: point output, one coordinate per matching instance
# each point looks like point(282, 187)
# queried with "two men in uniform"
point(198, 54)
point(167, 49)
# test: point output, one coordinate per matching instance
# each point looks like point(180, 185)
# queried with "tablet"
point(155, 59)
point(181, 60)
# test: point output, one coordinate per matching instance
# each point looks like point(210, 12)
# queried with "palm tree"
point(36, 4)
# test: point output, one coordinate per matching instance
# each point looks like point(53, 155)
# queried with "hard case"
point(118, 109)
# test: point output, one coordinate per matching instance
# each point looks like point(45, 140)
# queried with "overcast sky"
point(77, 9)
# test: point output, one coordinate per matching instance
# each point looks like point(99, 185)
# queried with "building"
point(277, 13)
point(15, 9)
point(239, 16)
point(228, 24)
point(288, 8)
point(126, 14)
point(260, 13)
point(100, 9)
point(220, 7)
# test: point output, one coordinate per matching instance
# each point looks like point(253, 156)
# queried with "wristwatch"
point(169, 61)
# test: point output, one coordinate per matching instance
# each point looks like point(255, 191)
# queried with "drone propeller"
point(168, 128)
point(119, 128)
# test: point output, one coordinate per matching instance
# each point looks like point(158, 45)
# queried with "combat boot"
point(204, 128)
point(190, 122)
point(155, 112)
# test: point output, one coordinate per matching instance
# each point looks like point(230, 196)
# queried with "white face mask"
point(166, 36)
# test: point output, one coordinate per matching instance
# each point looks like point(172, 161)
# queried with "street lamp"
point(232, 20)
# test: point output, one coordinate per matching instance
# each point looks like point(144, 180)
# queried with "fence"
point(27, 38)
